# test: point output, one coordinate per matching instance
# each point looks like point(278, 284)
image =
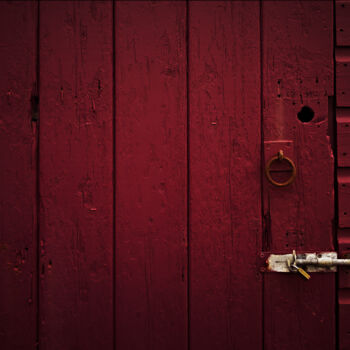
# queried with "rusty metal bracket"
point(279, 157)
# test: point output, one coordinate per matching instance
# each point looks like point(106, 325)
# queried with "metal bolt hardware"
point(302, 272)
point(293, 267)
point(305, 263)
point(323, 262)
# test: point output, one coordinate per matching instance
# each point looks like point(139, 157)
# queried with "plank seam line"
point(114, 179)
point(262, 158)
point(37, 180)
point(188, 172)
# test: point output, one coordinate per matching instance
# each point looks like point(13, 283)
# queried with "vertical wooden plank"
point(225, 220)
point(298, 72)
point(76, 181)
point(18, 175)
point(151, 173)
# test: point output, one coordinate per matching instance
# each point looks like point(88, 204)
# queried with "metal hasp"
point(311, 262)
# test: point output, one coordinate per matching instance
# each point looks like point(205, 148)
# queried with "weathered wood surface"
point(76, 175)
point(156, 120)
point(224, 157)
point(297, 72)
point(151, 175)
point(18, 139)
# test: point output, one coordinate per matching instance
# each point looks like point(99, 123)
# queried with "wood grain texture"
point(151, 175)
point(297, 72)
point(76, 181)
point(18, 222)
point(225, 221)
point(171, 259)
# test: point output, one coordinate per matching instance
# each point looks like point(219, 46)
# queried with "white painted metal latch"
point(310, 262)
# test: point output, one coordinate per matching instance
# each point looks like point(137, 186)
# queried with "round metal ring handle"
point(280, 156)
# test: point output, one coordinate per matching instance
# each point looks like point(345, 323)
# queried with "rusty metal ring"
point(280, 156)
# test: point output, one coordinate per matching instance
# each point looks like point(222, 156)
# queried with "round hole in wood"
point(306, 114)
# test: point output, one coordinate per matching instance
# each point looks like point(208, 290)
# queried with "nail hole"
point(345, 213)
point(306, 114)
point(344, 153)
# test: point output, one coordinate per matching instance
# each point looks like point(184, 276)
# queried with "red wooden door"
point(135, 210)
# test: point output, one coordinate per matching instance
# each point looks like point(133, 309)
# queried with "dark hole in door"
point(306, 114)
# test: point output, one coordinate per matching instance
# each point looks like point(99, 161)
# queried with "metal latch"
point(304, 263)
